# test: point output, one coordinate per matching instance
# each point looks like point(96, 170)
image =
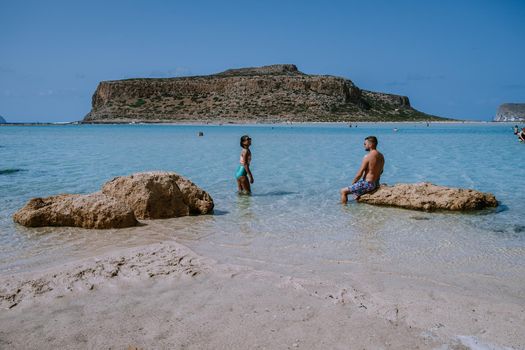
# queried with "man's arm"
point(362, 169)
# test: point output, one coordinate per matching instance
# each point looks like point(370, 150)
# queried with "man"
point(368, 175)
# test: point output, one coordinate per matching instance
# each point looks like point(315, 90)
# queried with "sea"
point(293, 223)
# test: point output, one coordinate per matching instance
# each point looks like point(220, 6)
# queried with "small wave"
point(10, 171)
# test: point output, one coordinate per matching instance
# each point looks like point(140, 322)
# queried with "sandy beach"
point(166, 296)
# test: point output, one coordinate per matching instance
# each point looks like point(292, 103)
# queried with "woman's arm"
point(245, 157)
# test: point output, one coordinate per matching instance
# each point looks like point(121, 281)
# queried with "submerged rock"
point(95, 210)
point(159, 195)
point(429, 197)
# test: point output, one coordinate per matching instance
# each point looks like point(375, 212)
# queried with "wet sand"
point(164, 295)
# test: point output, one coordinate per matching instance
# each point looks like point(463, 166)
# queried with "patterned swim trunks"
point(361, 187)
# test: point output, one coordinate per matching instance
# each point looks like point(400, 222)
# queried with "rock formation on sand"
point(510, 112)
point(158, 195)
point(429, 197)
point(151, 195)
point(94, 210)
point(274, 93)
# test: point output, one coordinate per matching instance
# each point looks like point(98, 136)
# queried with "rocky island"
point(2, 120)
point(510, 112)
point(276, 93)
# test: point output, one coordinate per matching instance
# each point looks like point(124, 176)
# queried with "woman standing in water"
point(244, 175)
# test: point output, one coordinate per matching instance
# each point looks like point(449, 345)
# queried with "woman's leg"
point(245, 184)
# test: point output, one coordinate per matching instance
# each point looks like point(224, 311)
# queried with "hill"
point(276, 93)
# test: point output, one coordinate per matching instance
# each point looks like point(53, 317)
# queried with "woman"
point(244, 175)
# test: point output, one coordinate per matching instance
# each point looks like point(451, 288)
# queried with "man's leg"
point(359, 188)
point(344, 195)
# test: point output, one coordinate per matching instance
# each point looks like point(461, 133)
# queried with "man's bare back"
point(369, 173)
point(374, 163)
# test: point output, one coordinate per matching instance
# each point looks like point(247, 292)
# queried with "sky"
point(458, 59)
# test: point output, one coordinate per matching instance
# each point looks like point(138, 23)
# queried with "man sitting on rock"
point(368, 175)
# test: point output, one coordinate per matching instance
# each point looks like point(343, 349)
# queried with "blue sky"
point(457, 59)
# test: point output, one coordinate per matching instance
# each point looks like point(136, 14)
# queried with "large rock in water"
point(94, 210)
point(159, 195)
point(152, 195)
point(429, 197)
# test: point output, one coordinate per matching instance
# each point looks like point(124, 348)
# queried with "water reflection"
point(245, 214)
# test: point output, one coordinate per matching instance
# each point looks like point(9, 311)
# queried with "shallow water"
point(293, 221)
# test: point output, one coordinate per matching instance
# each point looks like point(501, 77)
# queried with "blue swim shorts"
point(240, 172)
point(361, 187)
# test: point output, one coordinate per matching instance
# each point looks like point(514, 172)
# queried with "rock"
point(429, 197)
point(94, 210)
point(273, 93)
point(159, 195)
point(510, 112)
point(2, 120)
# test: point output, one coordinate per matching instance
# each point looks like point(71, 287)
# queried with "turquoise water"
point(293, 221)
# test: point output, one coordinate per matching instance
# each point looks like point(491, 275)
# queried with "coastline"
point(165, 295)
point(263, 123)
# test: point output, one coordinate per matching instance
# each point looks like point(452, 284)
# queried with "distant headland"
point(510, 112)
point(269, 94)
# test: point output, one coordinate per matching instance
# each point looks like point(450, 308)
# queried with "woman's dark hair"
point(244, 138)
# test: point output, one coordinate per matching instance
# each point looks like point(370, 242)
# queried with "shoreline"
point(164, 294)
point(256, 123)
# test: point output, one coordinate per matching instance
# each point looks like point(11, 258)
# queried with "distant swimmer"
point(521, 135)
point(368, 175)
point(516, 130)
point(395, 129)
point(244, 175)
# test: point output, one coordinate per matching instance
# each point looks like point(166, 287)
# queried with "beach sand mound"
point(429, 197)
point(159, 195)
point(94, 210)
point(132, 264)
